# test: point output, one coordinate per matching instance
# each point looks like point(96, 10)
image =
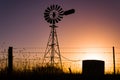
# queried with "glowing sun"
point(93, 54)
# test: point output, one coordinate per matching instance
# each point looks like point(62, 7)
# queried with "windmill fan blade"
point(48, 8)
point(51, 7)
point(46, 19)
point(61, 12)
point(50, 21)
point(47, 11)
point(46, 16)
point(58, 19)
point(53, 21)
point(58, 7)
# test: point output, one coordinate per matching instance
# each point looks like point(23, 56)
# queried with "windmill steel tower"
point(53, 14)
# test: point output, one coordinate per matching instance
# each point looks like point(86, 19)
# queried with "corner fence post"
point(10, 60)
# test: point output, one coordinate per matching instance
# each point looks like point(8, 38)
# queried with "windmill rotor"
point(53, 14)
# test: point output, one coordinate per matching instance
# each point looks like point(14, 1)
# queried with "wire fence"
point(29, 58)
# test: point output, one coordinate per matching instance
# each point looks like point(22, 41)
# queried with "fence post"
point(114, 60)
point(10, 59)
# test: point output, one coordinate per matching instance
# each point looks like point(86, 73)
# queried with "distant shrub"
point(48, 70)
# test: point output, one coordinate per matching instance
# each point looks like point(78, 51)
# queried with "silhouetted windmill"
point(53, 14)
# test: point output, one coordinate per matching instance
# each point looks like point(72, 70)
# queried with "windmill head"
point(54, 13)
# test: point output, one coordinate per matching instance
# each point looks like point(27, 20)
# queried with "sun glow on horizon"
point(93, 54)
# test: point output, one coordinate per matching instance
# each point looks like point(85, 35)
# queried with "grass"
point(48, 73)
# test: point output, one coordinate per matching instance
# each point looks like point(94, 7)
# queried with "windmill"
point(53, 14)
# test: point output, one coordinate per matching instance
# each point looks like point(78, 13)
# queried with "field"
point(49, 73)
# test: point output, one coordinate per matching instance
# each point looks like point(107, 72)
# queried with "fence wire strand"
point(28, 58)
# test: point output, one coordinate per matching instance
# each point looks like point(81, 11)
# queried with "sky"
point(95, 23)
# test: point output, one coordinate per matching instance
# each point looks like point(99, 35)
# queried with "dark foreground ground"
point(62, 76)
point(52, 74)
